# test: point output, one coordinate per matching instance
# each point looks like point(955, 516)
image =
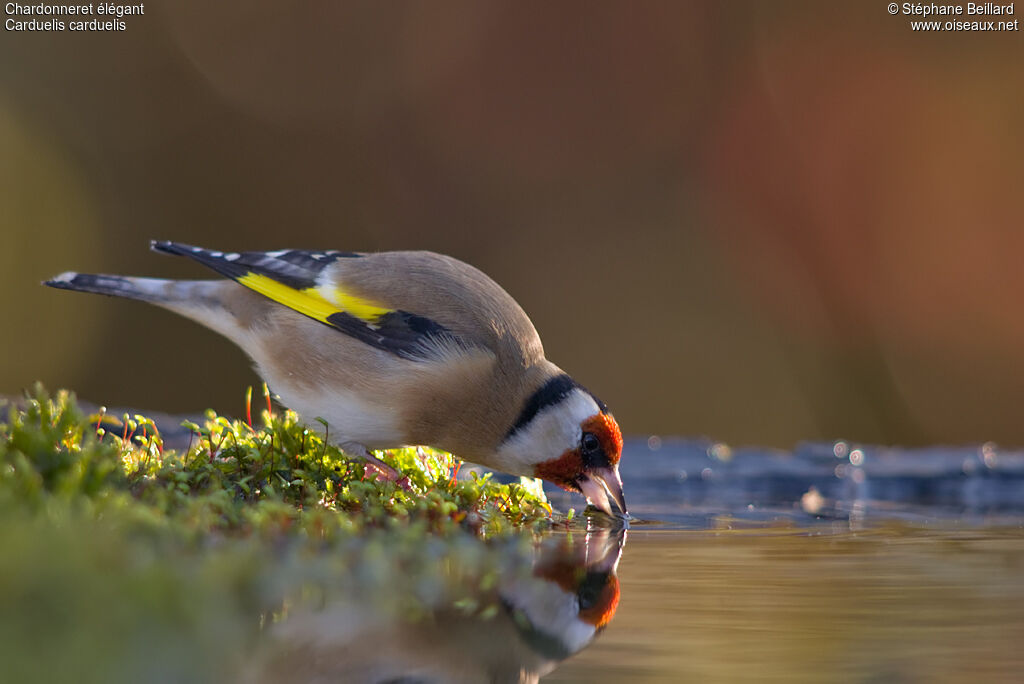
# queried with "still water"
point(828, 564)
point(893, 603)
point(831, 563)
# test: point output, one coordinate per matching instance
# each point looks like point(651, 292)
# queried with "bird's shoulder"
point(430, 289)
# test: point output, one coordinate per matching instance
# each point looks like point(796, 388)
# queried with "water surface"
point(894, 603)
point(761, 566)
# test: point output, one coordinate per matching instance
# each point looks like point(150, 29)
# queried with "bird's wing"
point(308, 282)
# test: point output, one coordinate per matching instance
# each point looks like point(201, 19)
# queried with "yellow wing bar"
point(311, 301)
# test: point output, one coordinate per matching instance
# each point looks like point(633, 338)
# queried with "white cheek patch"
point(550, 433)
point(552, 609)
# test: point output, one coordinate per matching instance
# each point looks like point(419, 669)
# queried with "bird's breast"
point(351, 416)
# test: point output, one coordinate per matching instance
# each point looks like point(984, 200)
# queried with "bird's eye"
point(590, 444)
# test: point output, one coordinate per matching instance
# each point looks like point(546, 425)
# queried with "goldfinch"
point(393, 349)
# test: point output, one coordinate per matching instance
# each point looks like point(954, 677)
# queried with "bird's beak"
point(600, 483)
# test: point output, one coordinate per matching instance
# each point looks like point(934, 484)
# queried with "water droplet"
point(720, 452)
point(812, 501)
point(989, 455)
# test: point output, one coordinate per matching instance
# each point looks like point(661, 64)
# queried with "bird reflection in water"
point(539, 615)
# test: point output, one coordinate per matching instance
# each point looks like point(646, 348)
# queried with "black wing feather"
point(398, 332)
point(296, 268)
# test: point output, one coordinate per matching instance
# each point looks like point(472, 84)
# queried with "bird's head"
point(566, 435)
point(591, 464)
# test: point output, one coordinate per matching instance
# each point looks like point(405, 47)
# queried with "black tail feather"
point(110, 285)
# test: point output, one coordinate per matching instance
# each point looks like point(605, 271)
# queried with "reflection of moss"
point(119, 560)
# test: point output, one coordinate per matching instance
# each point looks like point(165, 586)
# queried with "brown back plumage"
point(448, 291)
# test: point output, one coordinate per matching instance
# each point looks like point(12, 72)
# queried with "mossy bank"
point(124, 561)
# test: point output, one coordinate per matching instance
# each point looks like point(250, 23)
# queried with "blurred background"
point(762, 222)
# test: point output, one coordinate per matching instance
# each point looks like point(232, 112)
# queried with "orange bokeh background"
point(760, 222)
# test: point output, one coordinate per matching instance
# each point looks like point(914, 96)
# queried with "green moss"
point(120, 560)
point(238, 479)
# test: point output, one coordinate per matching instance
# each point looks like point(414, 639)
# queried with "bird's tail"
point(155, 290)
point(213, 303)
